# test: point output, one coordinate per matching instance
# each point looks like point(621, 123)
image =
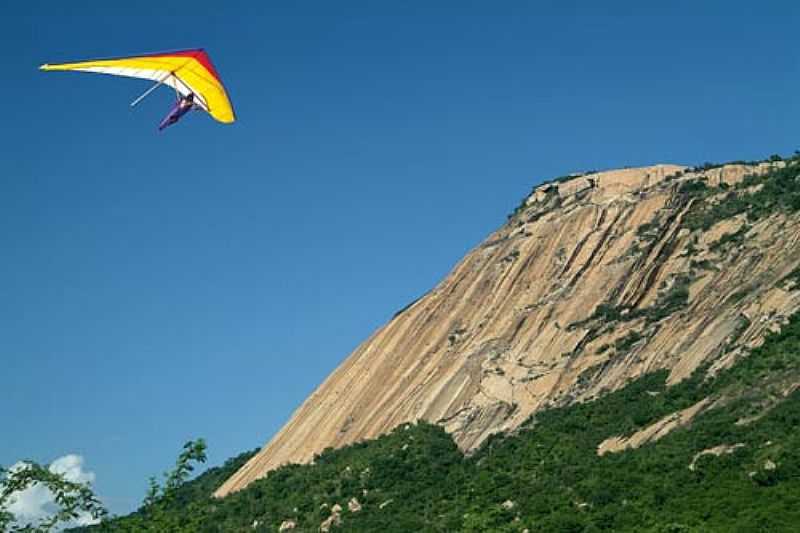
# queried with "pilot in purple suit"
point(181, 107)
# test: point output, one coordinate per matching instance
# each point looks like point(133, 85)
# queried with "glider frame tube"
point(151, 89)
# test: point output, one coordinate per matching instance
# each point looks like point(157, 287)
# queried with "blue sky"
point(203, 281)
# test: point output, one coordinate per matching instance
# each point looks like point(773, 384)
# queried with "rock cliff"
point(593, 281)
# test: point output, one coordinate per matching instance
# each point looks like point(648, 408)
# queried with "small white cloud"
point(32, 505)
point(71, 466)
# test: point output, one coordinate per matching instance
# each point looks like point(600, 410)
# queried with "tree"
point(159, 499)
point(72, 498)
point(193, 451)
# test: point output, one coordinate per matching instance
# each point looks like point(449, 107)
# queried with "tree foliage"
point(72, 499)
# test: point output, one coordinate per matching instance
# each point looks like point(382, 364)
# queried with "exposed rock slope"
point(593, 281)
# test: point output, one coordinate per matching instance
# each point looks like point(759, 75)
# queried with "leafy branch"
point(73, 499)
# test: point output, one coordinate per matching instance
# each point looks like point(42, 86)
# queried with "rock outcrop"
point(654, 431)
point(722, 449)
point(594, 281)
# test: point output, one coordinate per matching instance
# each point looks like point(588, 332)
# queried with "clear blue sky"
point(202, 281)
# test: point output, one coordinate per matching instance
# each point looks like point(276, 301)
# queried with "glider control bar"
point(151, 89)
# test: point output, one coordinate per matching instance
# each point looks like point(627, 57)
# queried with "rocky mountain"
point(595, 280)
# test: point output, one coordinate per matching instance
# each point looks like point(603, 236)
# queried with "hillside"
point(735, 468)
point(594, 280)
point(642, 378)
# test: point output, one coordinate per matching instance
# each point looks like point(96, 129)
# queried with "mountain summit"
point(595, 280)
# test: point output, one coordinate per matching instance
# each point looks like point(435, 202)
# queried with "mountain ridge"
point(593, 281)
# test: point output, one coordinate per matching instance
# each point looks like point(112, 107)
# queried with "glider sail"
point(186, 71)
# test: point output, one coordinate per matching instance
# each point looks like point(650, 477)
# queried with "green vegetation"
point(671, 301)
point(740, 294)
point(674, 299)
point(705, 264)
point(624, 344)
point(607, 313)
point(708, 166)
point(523, 204)
point(604, 313)
point(547, 476)
point(164, 507)
point(755, 196)
point(567, 177)
point(551, 198)
point(648, 230)
point(72, 499)
point(793, 277)
point(728, 239)
point(551, 191)
point(758, 196)
point(695, 188)
point(160, 499)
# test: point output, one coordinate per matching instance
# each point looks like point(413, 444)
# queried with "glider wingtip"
point(46, 66)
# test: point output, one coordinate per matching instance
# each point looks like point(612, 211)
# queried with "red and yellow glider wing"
point(186, 71)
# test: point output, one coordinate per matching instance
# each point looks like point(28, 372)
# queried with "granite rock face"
point(595, 280)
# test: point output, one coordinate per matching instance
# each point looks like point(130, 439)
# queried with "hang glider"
point(189, 72)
